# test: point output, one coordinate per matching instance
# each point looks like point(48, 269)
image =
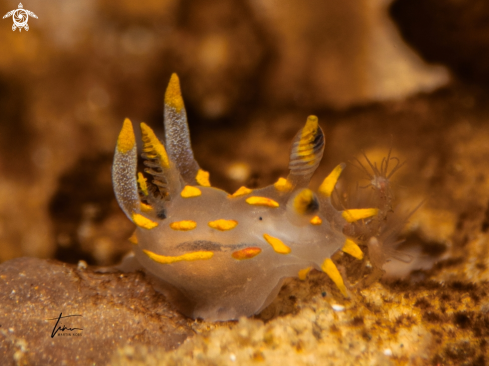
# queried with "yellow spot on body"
point(133, 239)
point(277, 244)
point(202, 178)
point(189, 191)
point(261, 201)
point(303, 273)
point(223, 225)
point(316, 220)
point(330, 269)
point(302, 201)
point(143, 222)
point(353, 249)
point(126, 140)
point(145, 207)
point(359, 213)
point(246, 253)
point(306, 143)
point(240, 192)
point(194, 256)
point(142, 183)
point(326, 188)
point(184, 225)
point(173, 95)
point(153, 147)
point(283, 185)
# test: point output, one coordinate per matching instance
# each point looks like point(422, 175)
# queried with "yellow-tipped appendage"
point(306, 143)
point(190, 191)
point(283, 185)
point(202, 178)
point(302, 274)
point(173, 95)
point(126, 140)
point(359, 213)
point(330, 269)
point(153, 147)
point(326, 188)
point(277, 244)
point(242, 191)
point(194, 256)
point(353, 249)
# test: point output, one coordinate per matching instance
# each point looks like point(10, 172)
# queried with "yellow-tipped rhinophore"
point(202, 178)
point(277, 244)
point(326, 188)
point(142, 184)
point(330, 269)
point(143, 222)
point(359, 213)
point(190, 191)
point(223, 225)
point(195, 256)
point(304, 202)
point(173, 95)
point(306, 143)
point(353, 249)
point(283, 185)
point(153, 147)
point(242, 191)
point(126, 140)
point(302, 274)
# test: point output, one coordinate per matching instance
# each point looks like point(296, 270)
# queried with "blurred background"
point(407, 74)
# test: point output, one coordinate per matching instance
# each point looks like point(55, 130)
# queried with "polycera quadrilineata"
point(220, 255)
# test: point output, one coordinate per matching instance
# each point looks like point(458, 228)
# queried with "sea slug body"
point(226, 255)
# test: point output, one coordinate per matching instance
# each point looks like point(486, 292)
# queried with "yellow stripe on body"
point(184, 225)
point(277, 244)
point(246, 253)
point(261, 201)
point(223, 225)
point(194, 256)
point(143, 222)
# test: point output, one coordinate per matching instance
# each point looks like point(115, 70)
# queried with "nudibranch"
point(226, 255)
